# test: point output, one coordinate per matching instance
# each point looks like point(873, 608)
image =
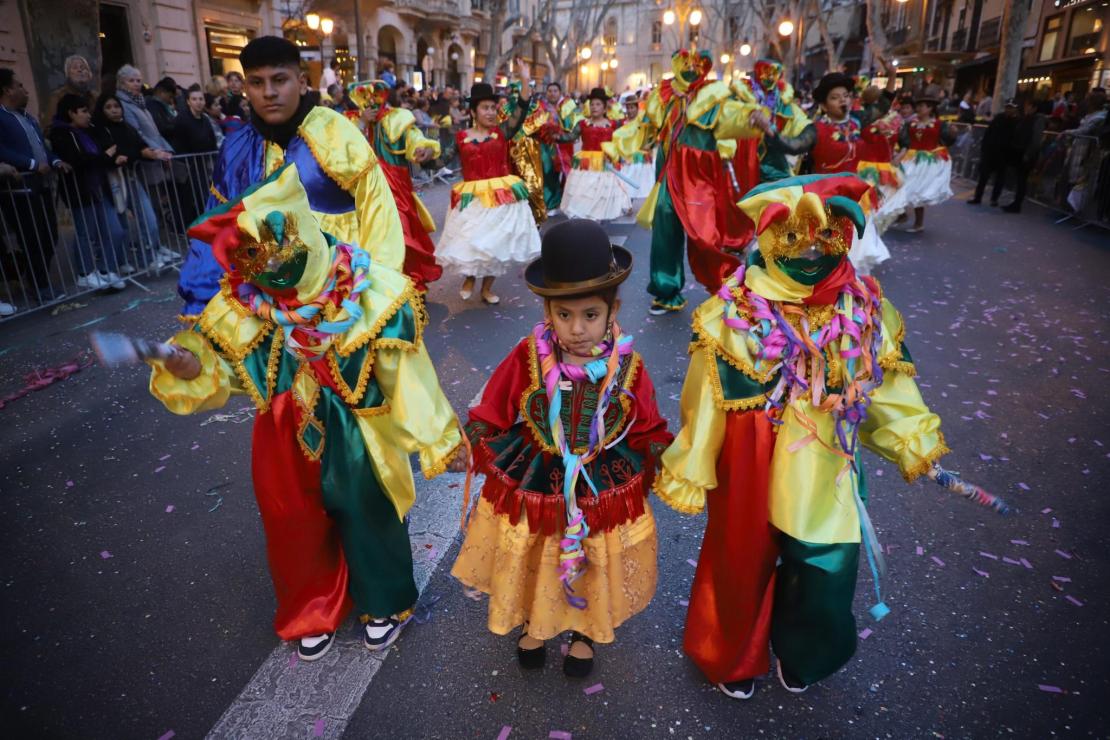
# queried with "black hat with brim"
point(576, 258)
point(598, 93)
point(481, 91)
point(829, 83)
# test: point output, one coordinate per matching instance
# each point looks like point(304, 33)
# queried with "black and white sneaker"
point(381, 633)
point(738, 689)
point(315, 647)
point(790, 683)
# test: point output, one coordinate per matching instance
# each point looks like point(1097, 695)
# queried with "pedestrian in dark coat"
point(992, 154)
point(1022, 152)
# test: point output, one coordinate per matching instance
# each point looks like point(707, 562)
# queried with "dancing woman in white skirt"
point(639, 169)
point(925, 161)
point(490, 224)
point(593, 189)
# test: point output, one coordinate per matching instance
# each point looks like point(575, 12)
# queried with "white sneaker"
point(113, 280)
point(93, 281)
point(168, 254)
point(126, 269)
point(657, 311)
point(315, 647)
point(381, 633)
point(6, 309)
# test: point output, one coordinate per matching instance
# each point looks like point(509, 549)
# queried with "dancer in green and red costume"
point(568, 435)
point(785, 118)
point(796, 366)
point(348, 192)
point(328, 344)
point(563, 117)
point(691, 204)
point(397, 141)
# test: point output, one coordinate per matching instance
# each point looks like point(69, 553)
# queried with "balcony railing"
point(990, 33)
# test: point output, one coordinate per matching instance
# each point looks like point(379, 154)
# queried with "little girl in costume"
point(490, 224)
point(593, 189)
point(568, 436)
point(925, 161)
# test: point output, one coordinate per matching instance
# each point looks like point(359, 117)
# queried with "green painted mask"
point(809, 271)
point(285, 277)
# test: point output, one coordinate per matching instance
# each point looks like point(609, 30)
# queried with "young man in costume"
point(346, 188)
point(328, 344)
point(690, 204)
point(397, 141)
point(796, 365)
point(775, 96)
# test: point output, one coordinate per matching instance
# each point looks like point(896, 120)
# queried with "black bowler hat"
point(830, 82)
point(576, 258)
point(480, 91)
point(598, 93)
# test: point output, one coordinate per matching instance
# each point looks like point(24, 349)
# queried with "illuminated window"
point(1086, 28)
point(1050, 37)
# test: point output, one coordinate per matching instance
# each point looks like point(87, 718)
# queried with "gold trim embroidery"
point(737, 404)
point(219, 196)
point(439, 467)
point(922, 467)
point(350, 395)
point(407, 295)
point(660, 490)
point(383, 410)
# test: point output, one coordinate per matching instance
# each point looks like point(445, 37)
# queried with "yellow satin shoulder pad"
point(234, 329)
point(707, 98)
point(711, 332)
point(389, 290)
point(338, 146)
point(397, 122)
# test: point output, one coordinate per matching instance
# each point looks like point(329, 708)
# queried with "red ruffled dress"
point(593, 190)
point(512, 545)
point(927, 166)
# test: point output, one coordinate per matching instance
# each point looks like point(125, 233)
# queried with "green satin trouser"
point(668, 243)
point(552, 178)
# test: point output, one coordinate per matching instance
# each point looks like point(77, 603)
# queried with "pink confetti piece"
point(69, 484)
point(1061, 579)
point(505, 731)
point(990, 555)
point(684, 602)
point(1046, 510)
point(293, 660)
point(595, 689)
point(920, 550)
point(1019, 542)
point(1026, 563)
point(1055, 523)
point(159, 469)
point(938, 561)
point(1074, 600)
point(985, 457)
point(693, 563)
point(1064, 555)
point(558, 735)
point(983, 573)
point(318, 728)
point(865, 633)
point(195, 447)
point(1050, 689)
point(879, 472)
point(104, 554)
point(168, 735)
point(163, 458)
point(564, 649)
point(1011, 561)
point(169, 509)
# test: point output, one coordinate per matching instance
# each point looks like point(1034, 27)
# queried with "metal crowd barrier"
point(67, 235)
point(1071, 174)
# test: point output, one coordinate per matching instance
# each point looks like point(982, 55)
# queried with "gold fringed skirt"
point(519, 571)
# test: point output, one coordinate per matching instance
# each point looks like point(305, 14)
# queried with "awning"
point(979, 61)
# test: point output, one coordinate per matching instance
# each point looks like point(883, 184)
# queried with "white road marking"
point(289, 698)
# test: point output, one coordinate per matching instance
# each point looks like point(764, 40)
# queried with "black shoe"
point(381, 633)
point(578, 667)
point(1012, 208)
point(974, 201)
point(318, 649)
point(789, 682)
point(738, 689)
point(531, 659)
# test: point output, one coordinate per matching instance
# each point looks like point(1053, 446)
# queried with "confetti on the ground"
point(1055, 523)
point(990, 555)
point(318, 728)
point(920, 550)
point(559, 735)
point(293, 659)
point(505, 732)
point(167, 735)
point(564, 649)
point(692, 562)
point(1074, 600)
point(1011, 561)
point(1019, 542)
point(938, 561)
point(1064, 555)
point(865, 633)
point(595, 689)
point(159, 469)
point(163, 458)
point(169, 509)
point(684, 602)
point(104, 554)
point(1050, 689)
point(983, 573)
point(1061, 579)
point(984, 457)
point(69, 484)
point(1026, 563)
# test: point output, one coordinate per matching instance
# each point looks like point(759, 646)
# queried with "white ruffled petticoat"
point(598, 196)
point(927, 183)
point(641, 173)
point(868, 251)
point(480, 241)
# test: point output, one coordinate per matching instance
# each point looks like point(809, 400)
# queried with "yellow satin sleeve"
point(632, 137)
point(379, 226)
point(206, 392)
point(732, 120)
point(689, 465)
point(422, 418)
point(415, 139)
point(901, 428)
point(797, 121)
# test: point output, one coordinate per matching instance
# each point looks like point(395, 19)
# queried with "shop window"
point(224, 45)
point(1050, 37)
point(1086, 28)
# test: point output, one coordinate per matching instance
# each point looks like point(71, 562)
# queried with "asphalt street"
point(137, 601)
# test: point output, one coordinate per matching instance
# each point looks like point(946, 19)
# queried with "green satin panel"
point(735, 385)
point(375, 542)
point(668, 242)
point(813, 630)
point(552, 185)
point(256, 364)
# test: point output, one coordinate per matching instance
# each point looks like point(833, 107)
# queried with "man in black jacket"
point(163, 109)
point(992, 154)
point(1021, 155)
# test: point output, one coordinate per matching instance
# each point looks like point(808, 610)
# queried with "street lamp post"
point(685, 12)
